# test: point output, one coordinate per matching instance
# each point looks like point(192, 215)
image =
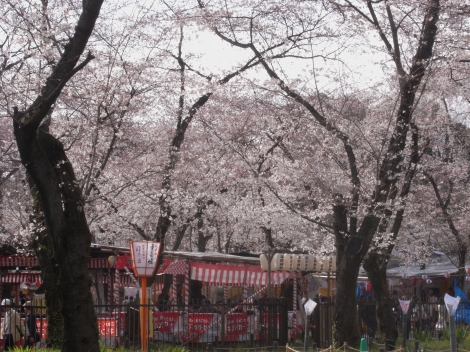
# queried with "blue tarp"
point(463, 311)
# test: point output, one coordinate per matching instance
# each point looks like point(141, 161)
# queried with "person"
point(32, 335)
point(12, 328)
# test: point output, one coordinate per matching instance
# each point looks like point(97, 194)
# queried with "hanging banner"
point(405, 305)
point(237, 325)
point(165, 322)
point(144, 256)
point(123, 261)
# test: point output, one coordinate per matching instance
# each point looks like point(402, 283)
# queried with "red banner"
point(41, 327)
point(107, 327)
point(198, 323)
point(164, 322)
point(237, 324)
point(122, 261)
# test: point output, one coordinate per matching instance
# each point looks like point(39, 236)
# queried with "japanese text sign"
point(144, 255)
point(165, 322)
point(237, 324)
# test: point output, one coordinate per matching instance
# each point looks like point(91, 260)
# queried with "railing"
point(194, 326)
point(246, 325)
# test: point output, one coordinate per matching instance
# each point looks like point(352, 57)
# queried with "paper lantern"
point(368, 286)
point(428, 281)
point(446, 275)
point(424, 277)
point(112, 260)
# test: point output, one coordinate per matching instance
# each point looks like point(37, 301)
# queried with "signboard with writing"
point(107, 327)
point(41, 327)
point(165, 322)
point(144, 256)
point(237, 325)
point(200, 328)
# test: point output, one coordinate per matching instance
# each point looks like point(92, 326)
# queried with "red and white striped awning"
point(174, 267)
point(124, 279)
point(32, 261)
point(218, 275)
point(99, 263)
point(257, 276)
point(17, 278)
point(16, 260)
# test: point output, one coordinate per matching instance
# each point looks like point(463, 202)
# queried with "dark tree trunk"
point(345, 316)
point(49, 272)
point(376, 272)
point(350, 251)
point(55, 321)
point(50, 276)
point(66, 263)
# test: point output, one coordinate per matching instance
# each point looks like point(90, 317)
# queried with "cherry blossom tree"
point(394, 170)
point(52, 177)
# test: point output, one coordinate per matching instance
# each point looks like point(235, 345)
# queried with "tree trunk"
point(49, 272)
point(377, 273)
point(67, 266)
point(50, 280)
point(346, 319)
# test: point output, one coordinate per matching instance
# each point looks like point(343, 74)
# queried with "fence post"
point(275, 346)
point(416, 346)
point(381, 349)
point(345, 347)
point(210, 347)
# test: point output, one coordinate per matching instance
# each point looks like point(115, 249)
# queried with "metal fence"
point(242, 325)
point(424, 320)
point(194, 326)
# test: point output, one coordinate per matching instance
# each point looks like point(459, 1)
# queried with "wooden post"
point(416, 346)
point(345, 347)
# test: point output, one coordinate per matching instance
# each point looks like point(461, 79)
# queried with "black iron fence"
point(195, 326)
point(423, 321)
point(230, 326)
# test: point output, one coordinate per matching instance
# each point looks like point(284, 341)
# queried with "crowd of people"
point(15, 332)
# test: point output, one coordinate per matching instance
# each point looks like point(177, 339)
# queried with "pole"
point(453, 335)
point(143, 315)
point(405, 330)
point(306, 332)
